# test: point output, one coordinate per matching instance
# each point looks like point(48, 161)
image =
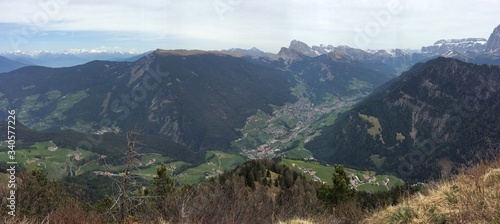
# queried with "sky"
point(143, 25)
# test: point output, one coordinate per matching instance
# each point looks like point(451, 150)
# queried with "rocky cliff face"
point(443, 47)
point(493, 44)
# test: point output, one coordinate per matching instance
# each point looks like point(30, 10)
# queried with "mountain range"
point(177, 94)
point(474, 50)
point(443, 47)
point(194, 101)
point(65, 59)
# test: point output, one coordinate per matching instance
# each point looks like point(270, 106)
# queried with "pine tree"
point(264, 181)
point(288, 178)
point(251, 180)
point(163, 183)
point(340, 191)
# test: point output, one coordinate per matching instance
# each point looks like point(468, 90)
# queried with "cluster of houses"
point(109, 174)
point(309, 171)
point(213, 173)
point(367, 179)
point(353, 178)
point(151, 161)
point(263, 151)
point(106, 173)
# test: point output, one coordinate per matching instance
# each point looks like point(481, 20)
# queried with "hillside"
point(195, 100)
point(421, 125)
point(109, 144)
point(470, 197)
point(337, 75)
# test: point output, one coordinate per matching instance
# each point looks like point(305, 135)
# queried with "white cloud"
point(268, 25)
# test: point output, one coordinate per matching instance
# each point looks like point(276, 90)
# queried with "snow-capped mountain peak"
point(68, 57)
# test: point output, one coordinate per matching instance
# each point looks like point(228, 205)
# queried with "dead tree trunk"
point(131, 153)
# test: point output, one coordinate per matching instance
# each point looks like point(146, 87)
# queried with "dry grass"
point(71, 214)
point(345, 213)
point(473, 196)
point(297, 221)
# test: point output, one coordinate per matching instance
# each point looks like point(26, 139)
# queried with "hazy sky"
point(57, 25)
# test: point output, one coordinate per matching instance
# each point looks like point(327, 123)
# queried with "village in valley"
point(288, 128)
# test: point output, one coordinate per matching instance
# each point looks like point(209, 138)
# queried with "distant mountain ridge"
point(68, 58)
point(253, 52)
point(398, 59)
point(477, 50)
point(442, 47)
point(7, 65)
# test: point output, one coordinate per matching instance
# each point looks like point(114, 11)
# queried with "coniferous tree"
point(163, 183)
point(340, 191)
point(341, 188)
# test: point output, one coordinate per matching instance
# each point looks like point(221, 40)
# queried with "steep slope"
point(421, 124)
point(471, 197)
point(195, 98)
